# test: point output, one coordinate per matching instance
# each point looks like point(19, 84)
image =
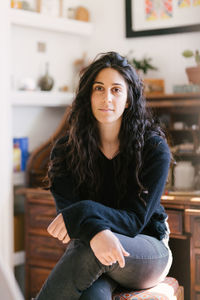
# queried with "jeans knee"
point(83, 251)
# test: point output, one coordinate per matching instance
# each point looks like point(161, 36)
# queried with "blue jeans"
point(80, 275)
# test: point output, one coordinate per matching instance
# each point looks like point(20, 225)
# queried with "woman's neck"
point(109, 136)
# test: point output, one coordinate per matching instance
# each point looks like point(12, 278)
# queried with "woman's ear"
point(127, 104)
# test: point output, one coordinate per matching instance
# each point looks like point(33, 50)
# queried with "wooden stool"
point(169, 289)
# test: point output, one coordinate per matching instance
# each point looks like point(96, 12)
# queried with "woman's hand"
point(58, 229)
point(108, 249)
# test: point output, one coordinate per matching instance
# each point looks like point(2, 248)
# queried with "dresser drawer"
point(36, 278)
point(40, 216)
point(44, 248)
point(175, 220)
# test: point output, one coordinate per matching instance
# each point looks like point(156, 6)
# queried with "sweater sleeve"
point(85, 218)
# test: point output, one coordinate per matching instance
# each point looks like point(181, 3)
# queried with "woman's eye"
point(98, 88)
point(116, 90)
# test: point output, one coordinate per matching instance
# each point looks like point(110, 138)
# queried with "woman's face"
point(109, 96)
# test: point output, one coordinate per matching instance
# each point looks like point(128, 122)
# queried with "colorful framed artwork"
point(154, 17)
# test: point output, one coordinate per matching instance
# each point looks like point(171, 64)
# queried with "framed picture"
point(153, 17)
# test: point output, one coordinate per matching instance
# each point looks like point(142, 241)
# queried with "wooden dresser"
point(184, 220)
point(43, 251)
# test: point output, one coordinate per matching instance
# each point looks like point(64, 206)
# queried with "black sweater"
point(84, 217)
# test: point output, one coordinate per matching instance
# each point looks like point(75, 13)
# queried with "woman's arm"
point(84, 219)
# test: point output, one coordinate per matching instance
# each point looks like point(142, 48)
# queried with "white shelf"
point(19, 178)
point(53, 99)
point(19, 258)
point(40, 21)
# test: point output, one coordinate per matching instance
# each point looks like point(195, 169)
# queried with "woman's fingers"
point(62, 233)
point(121, 252)
point(58, 229)
point(105, 261)
point(125, 253)
point(120, 259)
point(105, 244)
point(66, 239)
point(58, 220)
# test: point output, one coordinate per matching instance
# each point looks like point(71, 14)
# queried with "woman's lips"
point(106, 109)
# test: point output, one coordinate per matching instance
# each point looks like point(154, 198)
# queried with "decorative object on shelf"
point(30, 5)
point(143, 65)
point(38, 21)
point(25, 5)
point(16, 4)
point(193, 73)
point(16, 157)
point(70, 12)
point(184, 173)
point(82, 14)
point(20, 150)
point(154, 86)
point(46, 82)
point(183, 148)
point(50, 7)
point(68, 9)
point(186, 88)
point(179, 125)
point(63, 88)
point(27, 84)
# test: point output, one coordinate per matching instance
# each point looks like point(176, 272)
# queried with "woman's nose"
point(108, 96)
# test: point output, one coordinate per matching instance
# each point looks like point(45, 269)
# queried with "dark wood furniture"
point(42, 251)
point(184, 220)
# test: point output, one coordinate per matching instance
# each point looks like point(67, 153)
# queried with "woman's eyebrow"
point(115, 83)
point(98, 82)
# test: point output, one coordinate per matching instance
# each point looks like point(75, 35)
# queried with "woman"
point(107, 176)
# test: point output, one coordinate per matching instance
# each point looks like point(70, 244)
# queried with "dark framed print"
point(154, 17)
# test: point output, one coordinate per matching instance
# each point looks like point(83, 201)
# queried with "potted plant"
point(152, 86)
point(193, 73)
point(141, 65)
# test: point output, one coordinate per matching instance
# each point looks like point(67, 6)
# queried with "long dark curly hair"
point(81, 149)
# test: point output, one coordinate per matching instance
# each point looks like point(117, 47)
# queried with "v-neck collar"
point(109, 159)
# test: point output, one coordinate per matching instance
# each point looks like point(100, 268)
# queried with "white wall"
point(8, 287)
point(26, 62)
point(108, 18)
point(165, 50)
point(5, 142)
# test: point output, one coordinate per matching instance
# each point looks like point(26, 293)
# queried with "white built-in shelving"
point(19, 258)
point(40, 98)
point(43, 22)
point(28, 19)
point(18, 178)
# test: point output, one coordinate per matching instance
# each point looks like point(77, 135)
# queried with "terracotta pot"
point(193, 74)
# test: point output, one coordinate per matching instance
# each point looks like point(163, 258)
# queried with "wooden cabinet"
point(180, 117)
point(193, 226)
point(184, 221)
point(42, 251)
point(175, 218)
